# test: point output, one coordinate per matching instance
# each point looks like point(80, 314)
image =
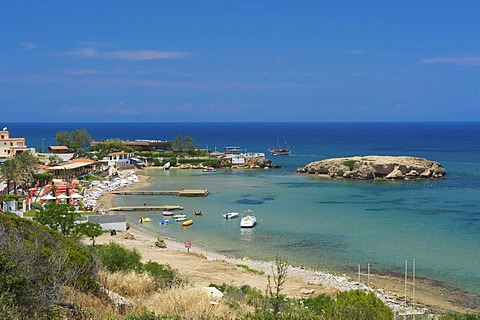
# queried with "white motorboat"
point(231, 215)
point(166, 166)
point(248, 220)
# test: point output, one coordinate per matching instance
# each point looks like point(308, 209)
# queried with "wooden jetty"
point(182, 193)
point(146, 208)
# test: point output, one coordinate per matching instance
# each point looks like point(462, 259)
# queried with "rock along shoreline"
point(376, 168)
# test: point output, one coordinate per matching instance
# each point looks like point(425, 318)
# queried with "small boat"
point(279, 151)
point(209, 169)
point(231, 215)
point(187, 223)
point(146, 219)
point(165, 221)
point(198, 213)
point(167, 213)
point(176, 216)
point(166, 166)
point(180, 219)
point(249, 220)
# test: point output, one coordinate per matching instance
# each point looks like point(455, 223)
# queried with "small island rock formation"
point(376, 167)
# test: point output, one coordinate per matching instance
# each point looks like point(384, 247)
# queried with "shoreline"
point(219, 268)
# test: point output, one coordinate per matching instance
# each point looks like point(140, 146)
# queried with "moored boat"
point(279, 151)
point(187, 223)
point(198, 213)
point(180, 219)
point(165, 221)
point(231, 215)
point(143, 219)
point(167, 213)
point(249, 220)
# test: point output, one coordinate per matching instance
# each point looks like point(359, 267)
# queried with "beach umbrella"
point(48, 197)
point(63, 196)
point(76, 196)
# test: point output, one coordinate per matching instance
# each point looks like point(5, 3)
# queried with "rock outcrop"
point(376, 167)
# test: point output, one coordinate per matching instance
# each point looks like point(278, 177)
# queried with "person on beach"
point(144, 203)
point(140, 220)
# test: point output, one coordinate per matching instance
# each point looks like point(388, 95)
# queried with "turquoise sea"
point(324, 224)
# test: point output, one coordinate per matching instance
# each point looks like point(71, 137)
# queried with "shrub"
point(357, 304)
point(115, 258)
point(349, 163)
point(36, 205)
point(164, 275)
point(35, 263)
point(318, 303)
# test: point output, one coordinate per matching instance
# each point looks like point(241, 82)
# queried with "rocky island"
point(376, 167)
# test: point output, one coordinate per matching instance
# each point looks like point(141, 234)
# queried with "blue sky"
point(171, 61)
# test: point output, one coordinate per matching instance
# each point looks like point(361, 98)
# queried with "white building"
point(9, 147)
point(119, 159)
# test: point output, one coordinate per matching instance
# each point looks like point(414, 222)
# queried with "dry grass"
point(188, 302)
point(92, 307)
point(129, 284)
point(183, 301)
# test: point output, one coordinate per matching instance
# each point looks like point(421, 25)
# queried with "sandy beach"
point(203, 267)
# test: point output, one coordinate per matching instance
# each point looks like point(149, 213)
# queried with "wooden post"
point(359, 273)
point(413, 298)
point(368, 275)
point(406, 268)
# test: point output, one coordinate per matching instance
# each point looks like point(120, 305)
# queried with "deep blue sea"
point(326, 224)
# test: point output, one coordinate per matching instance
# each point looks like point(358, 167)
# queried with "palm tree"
point(26, 167)
point(8, 171)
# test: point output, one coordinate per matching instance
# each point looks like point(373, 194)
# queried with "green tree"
point(90, 229)
point(26, 167)
point(177, 144)
point(19, 169)
point(80, 138)
point(77, 139)
point(59, 217)
point(358, 305)
point(8, 171)
point(112, 145)
point(188, 144)
point(43, 178)
point(62, 138)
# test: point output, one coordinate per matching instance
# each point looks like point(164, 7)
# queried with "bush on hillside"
point(35, 263)
point(116, 258)
point(359, 305)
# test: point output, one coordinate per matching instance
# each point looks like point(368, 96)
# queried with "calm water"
point(330, 224)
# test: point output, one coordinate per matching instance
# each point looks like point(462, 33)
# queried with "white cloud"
point(27, 46)
point(145, 55)
point(81, 72)
point(462, 60)
point(133, 55)
point(119, 108)
point(357, 52)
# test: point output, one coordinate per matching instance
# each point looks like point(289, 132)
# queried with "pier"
point(146, 208)
point(182, 193)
